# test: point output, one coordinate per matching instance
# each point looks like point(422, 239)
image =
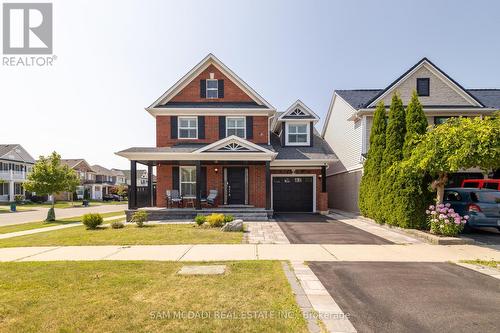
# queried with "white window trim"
point(188, 128)
point(308, 133)
point(180, 180)
point(244, 125)
point(216, 89)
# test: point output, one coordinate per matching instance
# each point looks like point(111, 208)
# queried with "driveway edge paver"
point(328, 311)
point(301, 299)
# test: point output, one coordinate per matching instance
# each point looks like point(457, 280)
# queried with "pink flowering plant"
point(443, 220)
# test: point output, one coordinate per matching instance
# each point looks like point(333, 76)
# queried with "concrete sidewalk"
point(61, 213)
point(293, 252)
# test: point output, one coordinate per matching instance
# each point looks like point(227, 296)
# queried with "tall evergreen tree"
point(416, 124)
point(396, 131)
point(393, 153)
point(368, 194)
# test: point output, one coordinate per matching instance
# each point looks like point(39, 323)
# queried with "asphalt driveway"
point(487, 236)
point(320, 229)
point(412, 297)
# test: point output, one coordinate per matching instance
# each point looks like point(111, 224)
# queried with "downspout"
point(269, 131)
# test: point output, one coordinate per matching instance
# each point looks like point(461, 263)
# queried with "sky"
point(114, 58)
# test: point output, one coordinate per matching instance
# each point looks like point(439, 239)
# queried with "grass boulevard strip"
point(146, 297)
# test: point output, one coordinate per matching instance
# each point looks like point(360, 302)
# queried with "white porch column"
point(11, 191)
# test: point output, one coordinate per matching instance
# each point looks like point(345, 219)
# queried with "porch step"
point(183, 214)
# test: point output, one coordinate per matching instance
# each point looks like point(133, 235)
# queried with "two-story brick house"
point(214, 132)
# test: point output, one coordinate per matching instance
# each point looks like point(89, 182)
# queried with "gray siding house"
point(348, 123)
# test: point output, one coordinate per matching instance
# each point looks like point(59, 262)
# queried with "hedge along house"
point(349, 120)
point(214, 132)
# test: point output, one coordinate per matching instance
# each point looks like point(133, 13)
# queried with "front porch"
point(247, 213)
point(240, 185)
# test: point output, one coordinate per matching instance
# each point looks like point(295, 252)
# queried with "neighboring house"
point(15, 164)
point(141, 177)
point(87, 178)
point(105, 177)
point(214, 132)
point(349, 120)
point(119, 177)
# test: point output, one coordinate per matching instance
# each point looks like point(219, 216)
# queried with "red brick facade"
point(191, 93)
point(256, 184)
point(164, 139)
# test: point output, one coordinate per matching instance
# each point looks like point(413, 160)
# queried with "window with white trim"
point(236, 126)
point(188, 128)
point(212, 88)
point(297, 134)
point(187, 181)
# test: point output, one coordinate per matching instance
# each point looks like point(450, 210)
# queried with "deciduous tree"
point(50, 177)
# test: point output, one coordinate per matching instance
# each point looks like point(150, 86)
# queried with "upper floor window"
point(236, 126)
point(188, 128)
point(297, 134)
point(423, 86)
point(212, 88)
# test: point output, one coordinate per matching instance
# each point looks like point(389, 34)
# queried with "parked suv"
point(493, 184)
point(482, 206)
point(111, 197)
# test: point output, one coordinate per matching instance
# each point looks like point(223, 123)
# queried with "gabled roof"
point(73, 163)
point(233, 143)
point(320, 150)
point(436, 70)
point(360, 98)
point(15, 152)
point(100, 170)
point(210, 59)
point(298, 110)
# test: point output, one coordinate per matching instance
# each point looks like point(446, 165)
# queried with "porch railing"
point(12, 175)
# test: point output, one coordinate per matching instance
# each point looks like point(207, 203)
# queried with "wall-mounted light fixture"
point(216, 170)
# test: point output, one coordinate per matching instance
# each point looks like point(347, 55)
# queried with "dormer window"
point(212, 88)
point(297, 134)
point(423, 86)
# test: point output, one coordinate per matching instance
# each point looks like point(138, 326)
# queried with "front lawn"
point(37, 225)
point(130, 235)
point(141, 296)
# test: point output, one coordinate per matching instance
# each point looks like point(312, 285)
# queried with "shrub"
point(200, 219)
point(215, 220)
point(139, 218)
point(444, 221)
point(92, 221)
point(228, 218)
point(18, 198)
point(117, 224)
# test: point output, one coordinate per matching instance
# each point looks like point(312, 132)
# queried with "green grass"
point(130, 235)
point(129, 296)
point(37, 225)
point(489, 263)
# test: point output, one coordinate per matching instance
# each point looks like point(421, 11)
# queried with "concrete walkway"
point(56, 227)
point(61, 213)
point(292, 252)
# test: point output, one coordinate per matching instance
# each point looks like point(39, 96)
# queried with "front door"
point(235, 187)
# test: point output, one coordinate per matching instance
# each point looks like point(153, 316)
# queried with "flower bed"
point(443, 220)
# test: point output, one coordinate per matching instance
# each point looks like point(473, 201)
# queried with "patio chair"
point(212, 196)
point(173, 196)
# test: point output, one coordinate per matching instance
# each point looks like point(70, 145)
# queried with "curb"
point(421, 235)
